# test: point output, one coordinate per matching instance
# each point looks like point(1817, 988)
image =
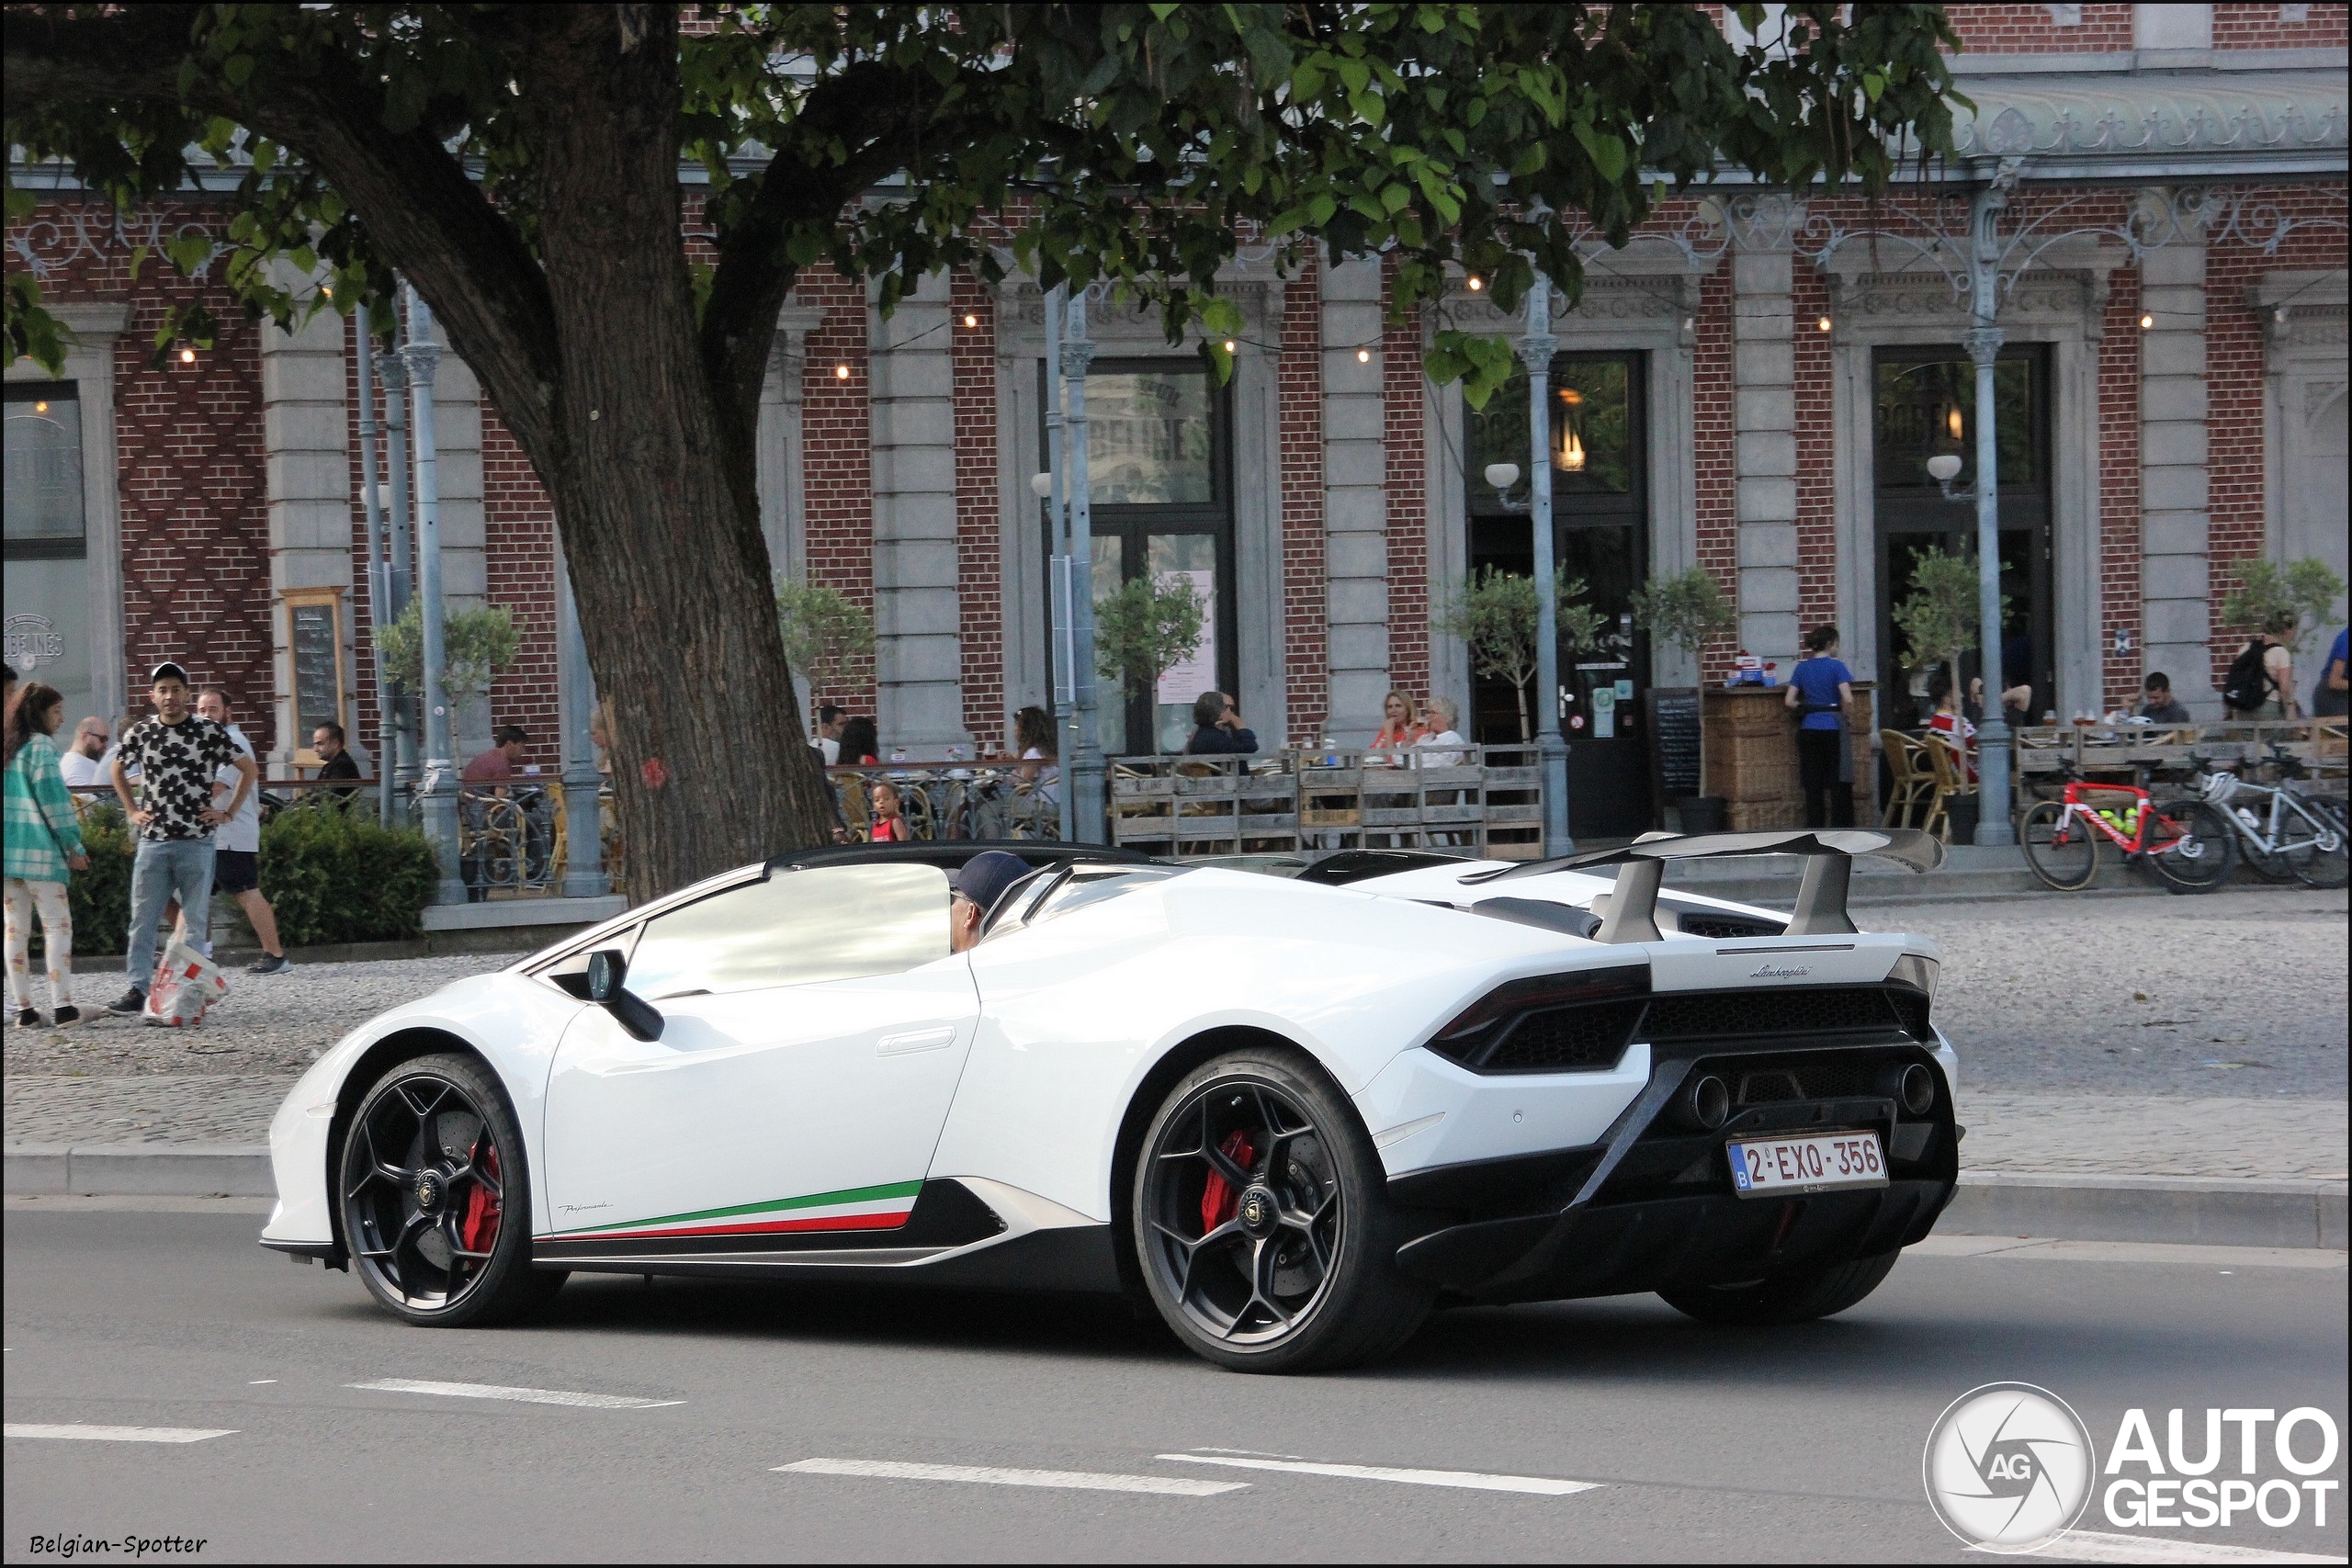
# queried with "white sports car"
point(1294, 1114)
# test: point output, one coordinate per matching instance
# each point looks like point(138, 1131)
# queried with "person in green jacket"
point(44, 848)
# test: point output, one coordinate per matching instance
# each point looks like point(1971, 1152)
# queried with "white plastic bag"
point(187, 983)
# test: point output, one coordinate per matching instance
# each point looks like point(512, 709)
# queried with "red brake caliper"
point(1219, 1198)
point(480, 1227)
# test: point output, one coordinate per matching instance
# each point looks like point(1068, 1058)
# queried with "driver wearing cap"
point(974, 890)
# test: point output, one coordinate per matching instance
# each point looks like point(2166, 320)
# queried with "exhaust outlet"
point(1706, 1103)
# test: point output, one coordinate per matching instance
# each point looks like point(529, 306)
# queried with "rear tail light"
point(1463, 1038)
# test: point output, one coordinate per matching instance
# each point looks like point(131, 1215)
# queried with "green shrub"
point(335, 876)
point(332, 875)
point(100, 897)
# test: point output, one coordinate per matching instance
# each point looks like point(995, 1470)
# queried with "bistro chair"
point(1914, 778)
point(1949, 772)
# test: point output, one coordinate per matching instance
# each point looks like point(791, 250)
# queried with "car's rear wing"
point(1820, 909)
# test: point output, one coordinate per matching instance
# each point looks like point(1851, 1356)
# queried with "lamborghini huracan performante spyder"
point(1292, 1113)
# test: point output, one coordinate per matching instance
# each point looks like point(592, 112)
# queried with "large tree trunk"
point(653, 486)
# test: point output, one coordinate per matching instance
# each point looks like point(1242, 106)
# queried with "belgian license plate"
point(1815, 1163)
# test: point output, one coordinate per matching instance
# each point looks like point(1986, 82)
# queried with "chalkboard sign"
point(1674, 741)
point(317, 672)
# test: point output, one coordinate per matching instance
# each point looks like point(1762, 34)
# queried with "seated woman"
point(1953, 725)
point(1040, 762)
point(1443, 728)
point(861, 746)
point(1400, 725)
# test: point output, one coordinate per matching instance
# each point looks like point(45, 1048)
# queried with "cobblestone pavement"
point(268, 1023)
point(2158, 1036)
point(2237, 994)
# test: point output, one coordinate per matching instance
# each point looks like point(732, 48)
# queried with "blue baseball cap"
point(986, 875)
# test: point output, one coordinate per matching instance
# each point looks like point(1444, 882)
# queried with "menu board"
point(1674, 741)
point(317, 674)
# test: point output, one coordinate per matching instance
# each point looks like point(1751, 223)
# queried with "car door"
point(814, 1028)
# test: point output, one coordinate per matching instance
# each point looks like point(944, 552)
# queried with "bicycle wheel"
point(2063, 853)
point(2317, 859)
point(2191, 846)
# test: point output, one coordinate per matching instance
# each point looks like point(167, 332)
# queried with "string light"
point(1825, 323)
point(2147, 324)
point(188, 357)
point(971, 321)
point(1363, 357)
point(841, 372)
point(41, 407)
point(1476, 283)
point(1230, 345)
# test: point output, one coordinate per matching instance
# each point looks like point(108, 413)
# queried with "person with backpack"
point(2261, 680)
point(44, 850)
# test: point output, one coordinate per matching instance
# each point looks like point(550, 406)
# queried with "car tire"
point(1799, 1296)
point(435, 1198)
point(1292, 1267)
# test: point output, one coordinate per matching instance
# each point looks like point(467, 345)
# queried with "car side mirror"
point(607, 978)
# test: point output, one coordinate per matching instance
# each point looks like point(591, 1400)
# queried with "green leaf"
point(238, 69)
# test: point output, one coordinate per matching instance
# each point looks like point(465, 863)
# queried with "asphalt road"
point(1785, 1446)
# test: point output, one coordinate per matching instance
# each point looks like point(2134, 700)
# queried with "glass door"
point(1598, 447)
point(47, 603)
point(1160, 490)
point(1924, 407)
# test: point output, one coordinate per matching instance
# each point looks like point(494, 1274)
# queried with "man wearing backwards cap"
point(177, 755)
point(975, 889)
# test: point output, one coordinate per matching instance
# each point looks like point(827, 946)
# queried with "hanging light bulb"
point(1363, 357)
point(841, 372)
point(188, 357)
point(1825, 323)
point(1230, 345)
point(1476, 283)
point(2147, 324)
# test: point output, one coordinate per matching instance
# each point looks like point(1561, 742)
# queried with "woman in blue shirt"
point(1822, 687)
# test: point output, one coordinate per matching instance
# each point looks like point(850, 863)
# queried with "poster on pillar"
point(1188, 678)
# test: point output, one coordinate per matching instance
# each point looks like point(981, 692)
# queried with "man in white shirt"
point(237, 846)
point(84, 765)
point(830, 722)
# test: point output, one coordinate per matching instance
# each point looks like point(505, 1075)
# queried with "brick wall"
point(837, 470)
point(518, 527)
point(2234, 392)
point(2265, 27)
point(2119, 494)
point(187, 457)
point(1717, 529)
point(2028, 29)
point(1817, 454)
point(1404, 432)
point(980, 584)
point(1299, 394)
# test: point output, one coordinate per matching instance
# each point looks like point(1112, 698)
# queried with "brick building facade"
point(1741, 394)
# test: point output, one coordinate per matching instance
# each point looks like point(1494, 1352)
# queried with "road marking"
point(1468, 1480)
point(2056, 1250)
point(994, 1475)
point(520, 1395)
point(118, 1434)
point(2092, 1546)
point(258, 1382)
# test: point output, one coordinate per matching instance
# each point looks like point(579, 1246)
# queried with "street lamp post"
point(1535, 350)
point(583, 861)
point(401, 742)
point(1983, 347)
point(1061, 591)
point(1086, 767)
point(439, 782)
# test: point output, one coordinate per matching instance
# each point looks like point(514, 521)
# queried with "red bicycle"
point(2188, 843)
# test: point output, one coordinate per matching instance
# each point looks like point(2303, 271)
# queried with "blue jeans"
point(165, 869)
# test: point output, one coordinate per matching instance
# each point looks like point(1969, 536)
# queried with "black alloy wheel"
point(435, 1199)
point(1261, 1222)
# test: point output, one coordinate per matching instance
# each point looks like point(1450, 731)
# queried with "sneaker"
point(28, 1018)
point(133, 1001)
point(270, 964)
point(64, 1016)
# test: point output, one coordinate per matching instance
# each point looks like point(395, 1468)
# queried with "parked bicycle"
point(2188, 844)
point(2287, 834)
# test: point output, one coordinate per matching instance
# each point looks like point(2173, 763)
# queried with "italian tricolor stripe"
point(851, 1209)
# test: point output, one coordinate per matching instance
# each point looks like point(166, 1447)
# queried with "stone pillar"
point(464, 523)
point(305, 438)
point(2174, 572)
point(1355, 500)
point(1764, 398)
point(918, 698)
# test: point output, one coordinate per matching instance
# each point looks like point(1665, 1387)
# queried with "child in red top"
point(889, 826)
point(1953, 724)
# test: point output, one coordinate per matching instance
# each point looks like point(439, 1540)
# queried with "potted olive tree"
point(1494, 614)
point(824, 630)
point(1147, 626)
point(1683, 610)
point(1938, 618)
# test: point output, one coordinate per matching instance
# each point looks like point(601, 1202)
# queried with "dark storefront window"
point(1598, 444)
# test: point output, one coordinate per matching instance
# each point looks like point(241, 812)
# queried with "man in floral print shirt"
point(177, 755)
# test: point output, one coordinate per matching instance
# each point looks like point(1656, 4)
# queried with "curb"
point(145, 1170)
point(2212, 1211)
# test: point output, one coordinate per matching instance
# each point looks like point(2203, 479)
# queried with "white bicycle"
point(2288, 836)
